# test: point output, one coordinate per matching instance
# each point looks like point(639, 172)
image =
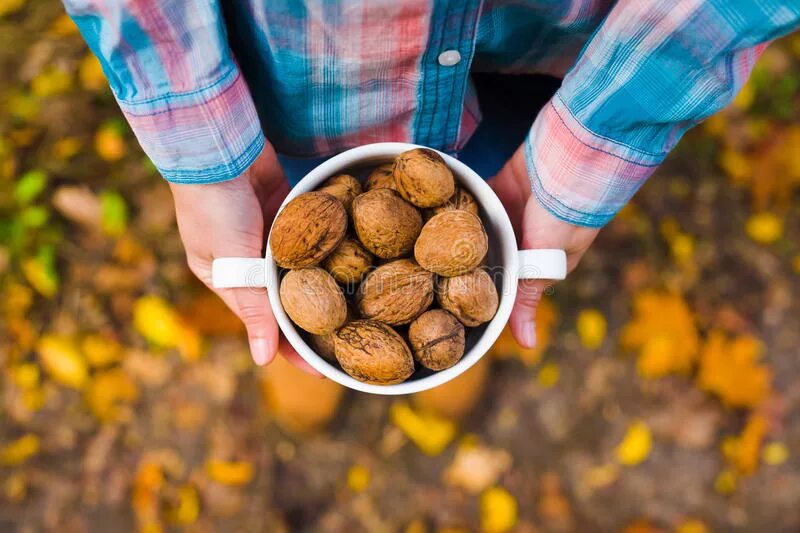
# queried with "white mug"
point(507, 265)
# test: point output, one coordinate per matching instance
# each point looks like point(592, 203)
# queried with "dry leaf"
point(730, 369)
point(475, 467)
point(234, 473)
point(62, 361)
point(499, 510)
point(636, 444)
point(431, 433)
point(161, 325)
point(20, 450)
point(591, 326)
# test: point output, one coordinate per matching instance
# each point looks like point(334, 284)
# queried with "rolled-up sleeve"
point(176, 82)
point(652, 71)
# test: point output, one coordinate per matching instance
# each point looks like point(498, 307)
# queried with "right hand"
point(229, 219)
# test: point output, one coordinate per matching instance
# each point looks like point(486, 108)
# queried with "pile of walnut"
point(415, 237)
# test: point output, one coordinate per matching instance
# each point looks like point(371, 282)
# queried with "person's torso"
point(330, 75)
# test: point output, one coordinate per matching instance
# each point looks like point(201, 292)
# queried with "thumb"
point(252, 307)
point(523, 314)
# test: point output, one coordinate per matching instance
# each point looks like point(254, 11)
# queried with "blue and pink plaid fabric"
point(203, 82)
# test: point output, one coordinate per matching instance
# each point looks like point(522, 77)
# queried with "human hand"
point(535, 227)
point(229, 219)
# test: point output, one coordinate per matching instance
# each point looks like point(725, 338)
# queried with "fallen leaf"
point(40, 271)
point(100, 350)
point(664, 333)
point(91, 73)
point(78, 204)
point(742, 452)
point(51, 81)
point(19, 451)
point(431, 433)
point(591, 326)
point(475, 467)
point(499, 510)
point(730, 369)
point(158, 322)
point(358, 478)
point(548, 375)
point(62, 361)
point(775, 453)
point(109, 142)
point(764, 228)
point(636, 444)
point(235, 473)
point(113, 213)
point(692, 525)
point(109, 394)
point(186, 509)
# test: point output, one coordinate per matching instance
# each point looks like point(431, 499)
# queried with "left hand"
point(538, 229)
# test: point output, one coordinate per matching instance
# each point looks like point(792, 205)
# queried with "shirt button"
point(448, 58)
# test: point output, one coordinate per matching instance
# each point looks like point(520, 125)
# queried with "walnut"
point(348, 262)
point(395, 293)
point(461, 199)
point(313, 300)
point(422, 177)
point(451, 243)
point(386, 224)
point(323, 345)
point(373, 352)
point(343, 187)
point(471, 297)
point(437, 339)
point(381, 178)
point(307, 229)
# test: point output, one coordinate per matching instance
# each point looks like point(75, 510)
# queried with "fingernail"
point(258, 350)
point(529, 335)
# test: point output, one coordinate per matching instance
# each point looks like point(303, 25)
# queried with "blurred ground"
point(663, 396)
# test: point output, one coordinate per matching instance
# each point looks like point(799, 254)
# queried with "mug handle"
point(232, 272)
point(545, 263)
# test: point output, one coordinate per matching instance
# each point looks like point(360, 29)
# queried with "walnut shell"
point(348, 262)
point(373, 352)
point(423, 178)
point(461, 199)
point(307, 229)
point(381, 178)
point(386, 224)
point(343, 187)
point(471, 297)
point(323, 345)
point(313, 300)
point(451, 243)
point(395, 293)
point(437, 339)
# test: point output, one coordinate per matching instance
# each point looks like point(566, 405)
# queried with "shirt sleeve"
point(177, 83)
point(651, 71)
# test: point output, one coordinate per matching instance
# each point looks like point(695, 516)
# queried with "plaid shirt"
point(323, 76)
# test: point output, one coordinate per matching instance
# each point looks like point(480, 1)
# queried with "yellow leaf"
point(233, 473)
point(745, 97)
point(691, 525)
point(67, 148)
point(775, 453)
point(62, 361)
point(15, 487)
point(109, 392)
point(548, 375)
point(716, 124)
point(682, 248)
point(109, 142)
point(10, 6)
point(730, 369)
point(41, 274)
point(20, 450)
point(50, 82)
point(591, 325)
point(63, 27)
point(499, 510)
point(738, 167)
point(431, 433)
point(601, 476)
point(187, 507)
point(764, 228)
point(416, 526)
point(101, 351)
point(358, 478)
point(25, 375)
point(160, 324)
point(91, 73)
point(664, 333)
point(145, 496)
point(635, 446)
point(743, 452)
point(726, 481)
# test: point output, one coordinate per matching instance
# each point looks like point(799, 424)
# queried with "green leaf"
point(29, 186)
point(34, 216)
point(114, 213)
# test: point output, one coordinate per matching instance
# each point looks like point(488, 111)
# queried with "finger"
point(523, 314)
point(289, 353)
point(252, 307)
